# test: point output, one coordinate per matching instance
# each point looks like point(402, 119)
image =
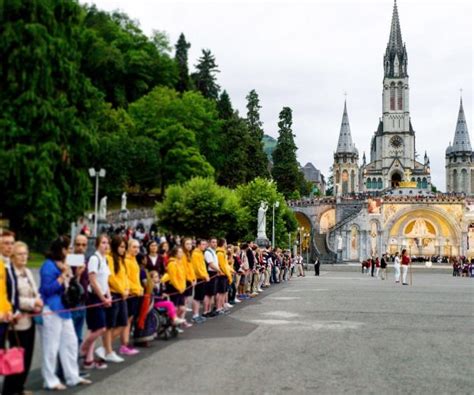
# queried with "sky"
point(307, 54)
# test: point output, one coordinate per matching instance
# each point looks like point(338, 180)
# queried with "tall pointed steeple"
point(395, 41)
point(345, 144)
point(395, 59)
point(462, 142)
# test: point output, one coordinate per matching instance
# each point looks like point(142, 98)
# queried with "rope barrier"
point(90, 306)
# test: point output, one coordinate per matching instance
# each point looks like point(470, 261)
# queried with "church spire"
point(345, 144)
point(395, 59)
point(395, 40)
point(461, 141)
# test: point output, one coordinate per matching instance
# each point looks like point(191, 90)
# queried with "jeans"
point(78, 319)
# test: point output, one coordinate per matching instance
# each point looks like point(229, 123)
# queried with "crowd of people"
point(462, 267)
point(377, 268)
point(92, 308)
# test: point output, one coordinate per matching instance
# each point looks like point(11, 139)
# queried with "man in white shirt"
point(210, 257)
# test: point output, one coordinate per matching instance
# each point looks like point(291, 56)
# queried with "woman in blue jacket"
point(58, 335)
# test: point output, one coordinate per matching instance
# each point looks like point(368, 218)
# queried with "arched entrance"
point(396, 179)
point(424, 232)
point(328, 220)
point(303, 242)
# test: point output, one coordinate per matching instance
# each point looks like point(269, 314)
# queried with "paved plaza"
point(342, 332)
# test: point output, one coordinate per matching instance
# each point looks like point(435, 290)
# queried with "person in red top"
point(405, 263)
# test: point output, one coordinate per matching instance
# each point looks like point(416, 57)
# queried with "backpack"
point(84, 280)
point(73, 295)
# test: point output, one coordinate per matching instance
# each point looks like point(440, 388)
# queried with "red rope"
point(90, 306)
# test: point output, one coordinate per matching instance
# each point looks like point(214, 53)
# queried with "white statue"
point(103, 208)
point(124, 202)
point(339, 242)
point(262, 221)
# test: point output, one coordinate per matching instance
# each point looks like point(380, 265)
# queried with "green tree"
point(235, 141)
point(162, 117)
point(181, 57)
point(330, 183)
point(121, 60)
point(258, 165)
point(250, 196)
point(164, 107)
point(48, 113)
point(201, 208)
point(224, 106)
point(286, 170)
point(205, 78)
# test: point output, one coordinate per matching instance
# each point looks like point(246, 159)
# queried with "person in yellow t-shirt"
point(202, 277)
point(224, 279)
point(190, 275)
point(6, 313)
point(116, 316)
point(135, 293)
point(175, 280)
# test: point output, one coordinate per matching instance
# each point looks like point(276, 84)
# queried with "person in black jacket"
point(372, 261)
point(383, 266)
point(251, 260)
point(316, 267)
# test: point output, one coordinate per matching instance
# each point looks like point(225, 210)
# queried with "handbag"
point(12, 359)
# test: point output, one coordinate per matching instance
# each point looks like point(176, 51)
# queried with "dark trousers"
point(274, 279)
point(15, 383)
point(316, 269)
point(232, 292)
point(3, 334)
point(372, 269)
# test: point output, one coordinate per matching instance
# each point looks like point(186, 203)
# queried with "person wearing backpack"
point(58, 335)
point(98, 292)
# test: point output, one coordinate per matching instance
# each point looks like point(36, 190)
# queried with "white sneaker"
point(260, 290)
point(237, 300)
point(188, 309)
point(179, 321)
point(100, 352)
point(228, 305)
point(113, 357)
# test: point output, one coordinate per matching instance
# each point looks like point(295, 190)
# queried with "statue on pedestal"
point(262, 221)
point(123, 206)
point(103, 209)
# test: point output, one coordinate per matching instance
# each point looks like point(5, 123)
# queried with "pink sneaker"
point(124, 350)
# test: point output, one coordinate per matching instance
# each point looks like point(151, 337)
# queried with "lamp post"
point(300, 231)
point(96, 173)
point(306, 236)
point(275, 205)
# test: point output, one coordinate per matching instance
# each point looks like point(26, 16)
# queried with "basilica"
point(386, 203)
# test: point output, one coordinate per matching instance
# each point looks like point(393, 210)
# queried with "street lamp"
point(275, 205)
point(306, 236)
point(300, 231)
point(96, 173)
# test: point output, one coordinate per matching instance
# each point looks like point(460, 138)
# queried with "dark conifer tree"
point(205, 76)
point(258, 160)
point(181, 57)
point(286, 170)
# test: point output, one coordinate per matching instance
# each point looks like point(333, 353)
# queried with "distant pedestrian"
point(316, 266)
point(383, 267)
point(372, 265)
point(405, 264)
point(396, 267)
